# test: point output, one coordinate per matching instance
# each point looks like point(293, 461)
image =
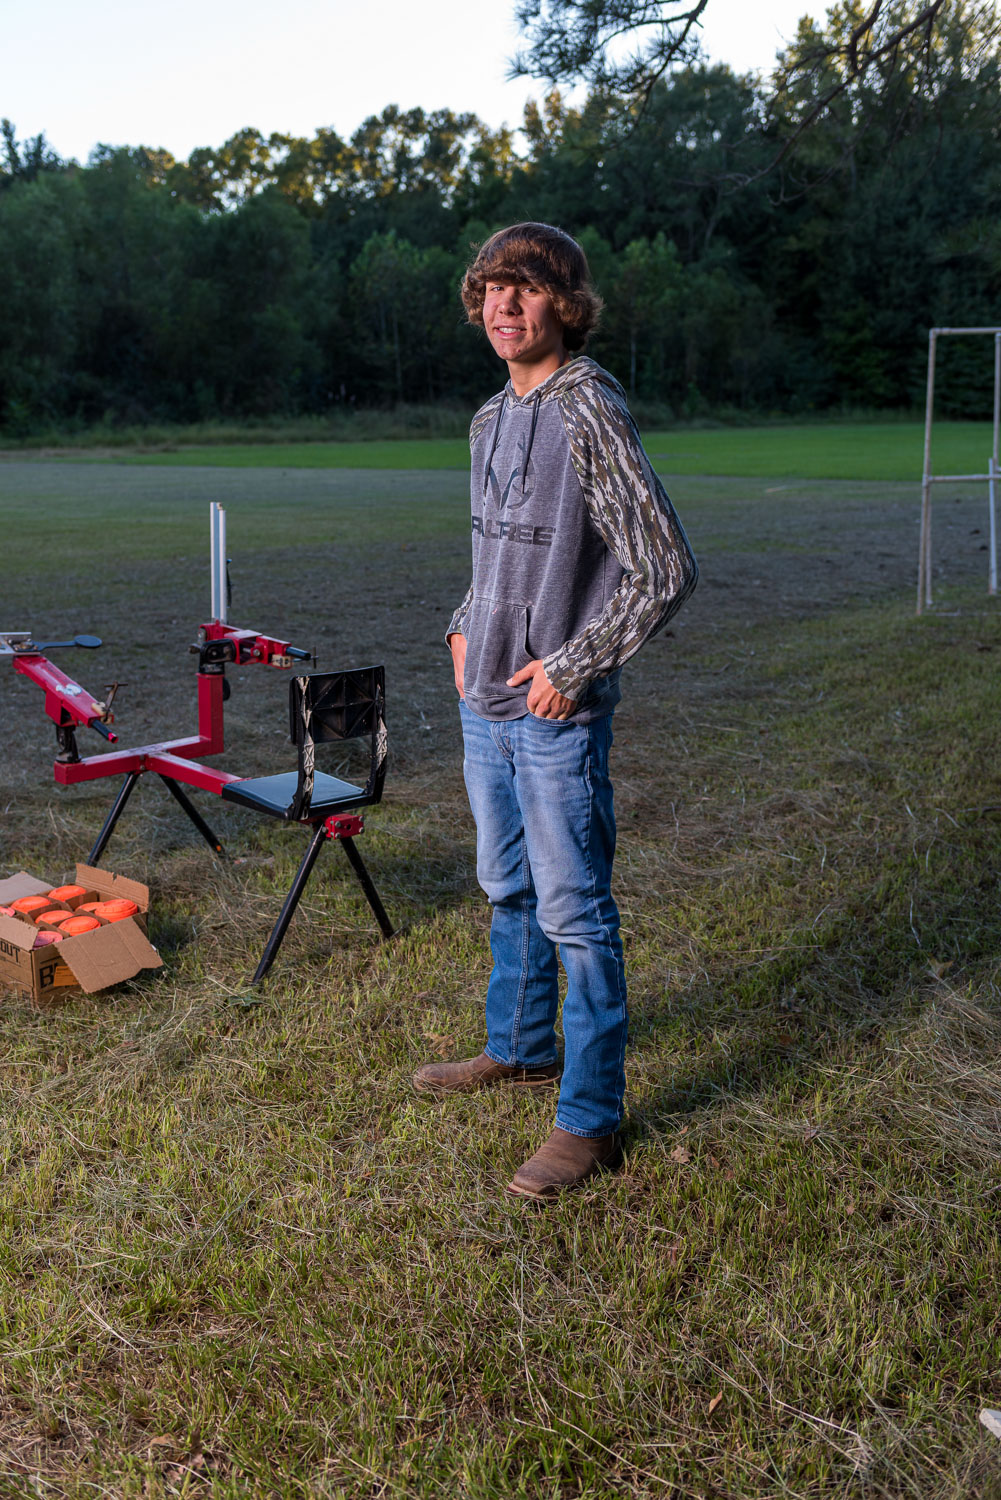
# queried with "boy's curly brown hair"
point(543, 256)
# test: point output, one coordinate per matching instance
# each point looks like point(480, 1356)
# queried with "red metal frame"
point(251, 646)
point(344, 825)
point(67, 703)
point(65, 700)
point(175, 758)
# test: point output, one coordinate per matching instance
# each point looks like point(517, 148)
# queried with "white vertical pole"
point(992, 563)
point(213, 558)
point(222, 567)
point(217, 561)
point(924, 548)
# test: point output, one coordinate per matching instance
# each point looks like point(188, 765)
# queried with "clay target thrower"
point(68, 705)
point(178, 762)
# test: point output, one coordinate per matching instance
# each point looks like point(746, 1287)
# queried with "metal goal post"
point(928, 479)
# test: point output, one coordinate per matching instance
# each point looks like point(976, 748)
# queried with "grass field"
point(239, 1256)
point(872, 451)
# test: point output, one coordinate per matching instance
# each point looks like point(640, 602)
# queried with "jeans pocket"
point(552, 723)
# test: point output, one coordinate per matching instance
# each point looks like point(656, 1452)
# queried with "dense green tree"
point(405, 316)
point(38, 296)
point(643, 313)
point(271, 310)
point(624, 48)
point(906, 154)
point(779, 246)
point(23, 161)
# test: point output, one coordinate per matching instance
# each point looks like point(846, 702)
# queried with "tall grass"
point(241, 1258)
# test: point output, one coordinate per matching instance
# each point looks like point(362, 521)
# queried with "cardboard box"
point(90, 962)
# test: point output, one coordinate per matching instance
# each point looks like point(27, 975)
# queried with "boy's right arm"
point(457, 646)
point(457, 641)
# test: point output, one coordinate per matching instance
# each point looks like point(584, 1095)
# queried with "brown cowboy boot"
point(480, 1073)
point(565, 1161)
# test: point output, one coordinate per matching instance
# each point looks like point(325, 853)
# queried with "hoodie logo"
point(513, 495)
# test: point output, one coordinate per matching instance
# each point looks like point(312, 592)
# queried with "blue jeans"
point(545, 838)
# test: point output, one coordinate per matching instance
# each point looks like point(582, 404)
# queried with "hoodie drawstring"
point(495, 439)
point(531, 438)
point(493, 445)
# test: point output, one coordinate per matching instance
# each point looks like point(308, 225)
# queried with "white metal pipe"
point(222, 567)
point(957, 478)
point(924, 546)
point(992, 562)
point(997, 394)
point(928, 478)
point(213, 559)
point(217, 561)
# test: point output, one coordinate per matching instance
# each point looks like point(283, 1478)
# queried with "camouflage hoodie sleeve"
point(456, 622)
point(634, 517)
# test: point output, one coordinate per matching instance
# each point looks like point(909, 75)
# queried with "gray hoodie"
point(578, 555)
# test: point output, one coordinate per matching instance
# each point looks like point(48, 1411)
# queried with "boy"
point(578, 558)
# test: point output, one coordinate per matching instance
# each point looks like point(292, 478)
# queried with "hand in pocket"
point(457, 646)
point(544, 701)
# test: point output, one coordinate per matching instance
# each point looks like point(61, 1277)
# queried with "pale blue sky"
point(127, 72)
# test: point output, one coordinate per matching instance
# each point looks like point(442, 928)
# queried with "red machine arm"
point(243, 646)
point(66, 702)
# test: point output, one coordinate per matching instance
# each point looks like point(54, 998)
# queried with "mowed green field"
point(241, 1258)
point(878, 451)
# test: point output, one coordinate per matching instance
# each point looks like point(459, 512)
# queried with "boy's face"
point(521, 323)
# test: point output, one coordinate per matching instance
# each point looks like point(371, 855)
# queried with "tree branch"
point(570, 41)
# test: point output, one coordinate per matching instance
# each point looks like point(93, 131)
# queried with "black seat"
point(276, 794)
point(324, 707)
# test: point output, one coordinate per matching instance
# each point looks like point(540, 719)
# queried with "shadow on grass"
point(744, 1029)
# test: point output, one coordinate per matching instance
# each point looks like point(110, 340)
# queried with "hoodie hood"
point(580, 368)
point(574, 373)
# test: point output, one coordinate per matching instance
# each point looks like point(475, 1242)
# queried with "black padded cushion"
point(273, 794)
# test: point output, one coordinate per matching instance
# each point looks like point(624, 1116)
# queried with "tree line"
point(746, 263)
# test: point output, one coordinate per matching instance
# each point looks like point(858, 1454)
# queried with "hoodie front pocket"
point(496, 634)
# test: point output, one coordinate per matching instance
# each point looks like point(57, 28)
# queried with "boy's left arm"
point(637, 522)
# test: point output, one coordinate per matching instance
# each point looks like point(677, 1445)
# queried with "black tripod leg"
point(116, 812)
point(291, 902)
point(372, 895)
point(184, 801)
